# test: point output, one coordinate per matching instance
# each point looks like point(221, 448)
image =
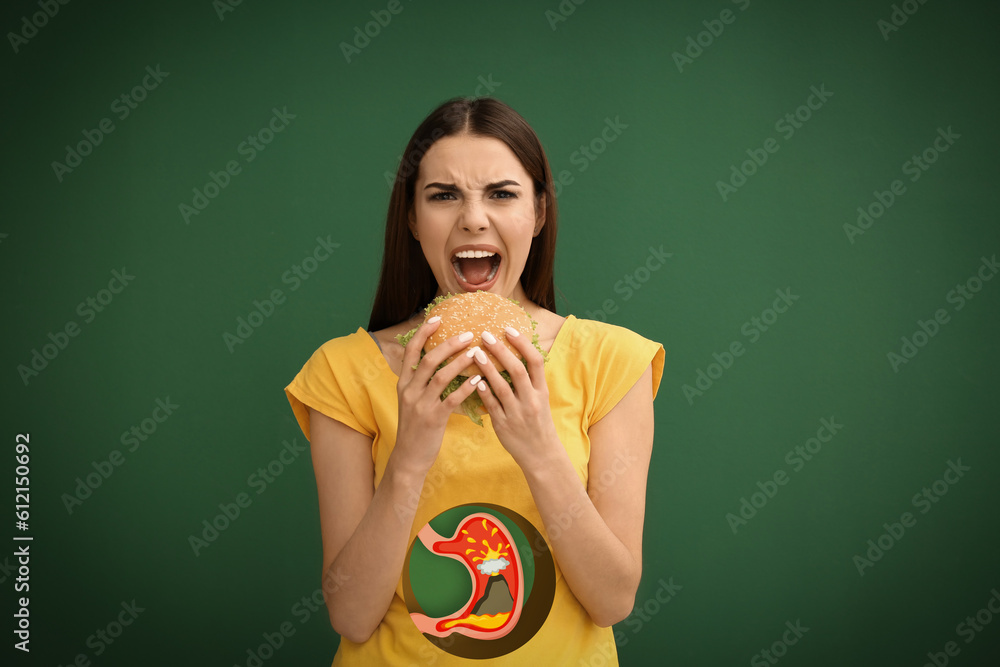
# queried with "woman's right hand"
point(423, 416)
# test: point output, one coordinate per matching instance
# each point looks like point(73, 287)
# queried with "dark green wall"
point(682, 127)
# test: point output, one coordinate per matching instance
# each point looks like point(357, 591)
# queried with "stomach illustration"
point(486, 549)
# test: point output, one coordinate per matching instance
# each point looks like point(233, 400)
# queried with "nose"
point(473, 217)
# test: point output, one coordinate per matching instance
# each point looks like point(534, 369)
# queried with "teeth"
point(468, 254)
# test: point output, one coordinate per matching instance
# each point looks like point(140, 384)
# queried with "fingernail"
point(465, 337)
point(436, 318)
point(472, 351)
point(475, 380)
point(480, 356)
point(511, 331)
point(482, 386)
point(488, 337)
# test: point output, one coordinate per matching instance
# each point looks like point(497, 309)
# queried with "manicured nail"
point(465, 337)
point(482, 386)
point(511, 331)
point(480, 356)
point(488, 337)
point(436, 318)
point(475, 379)
point(472, 351)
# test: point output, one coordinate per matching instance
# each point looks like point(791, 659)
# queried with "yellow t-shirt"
point(591, 366)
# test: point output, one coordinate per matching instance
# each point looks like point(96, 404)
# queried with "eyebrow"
point(451, 187)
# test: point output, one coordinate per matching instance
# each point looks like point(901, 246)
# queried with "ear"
point(539, 214)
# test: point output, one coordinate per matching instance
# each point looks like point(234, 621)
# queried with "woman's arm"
point(596, 534)
point(365, 530)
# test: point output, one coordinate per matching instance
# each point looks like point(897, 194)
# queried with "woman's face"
point(473, 191)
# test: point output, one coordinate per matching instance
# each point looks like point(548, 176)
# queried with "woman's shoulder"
point(595, 335)
point(343, 347)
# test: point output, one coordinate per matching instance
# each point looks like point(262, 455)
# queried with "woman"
point(564, 455)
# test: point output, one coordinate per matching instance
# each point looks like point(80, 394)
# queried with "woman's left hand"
point(521, 417)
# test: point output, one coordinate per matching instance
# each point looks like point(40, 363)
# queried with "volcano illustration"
point(484, 546)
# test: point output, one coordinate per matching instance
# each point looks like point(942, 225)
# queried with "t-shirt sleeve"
point(622, 357)
point(328, 384)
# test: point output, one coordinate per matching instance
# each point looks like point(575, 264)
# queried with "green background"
point(655, 185)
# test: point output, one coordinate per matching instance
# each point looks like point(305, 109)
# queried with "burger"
point(475, 312)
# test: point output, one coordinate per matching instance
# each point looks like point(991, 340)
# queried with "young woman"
point(563, 455)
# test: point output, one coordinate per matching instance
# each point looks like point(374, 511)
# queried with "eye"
point(440, 196)
point(511, 195)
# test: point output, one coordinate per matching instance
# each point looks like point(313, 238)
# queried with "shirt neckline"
point(372, 343)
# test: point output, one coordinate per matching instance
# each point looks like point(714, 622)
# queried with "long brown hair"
point(406, 283)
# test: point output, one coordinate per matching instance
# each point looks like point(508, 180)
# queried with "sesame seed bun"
point(477, 312)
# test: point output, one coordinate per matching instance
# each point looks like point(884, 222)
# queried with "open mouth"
point(476, 269)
